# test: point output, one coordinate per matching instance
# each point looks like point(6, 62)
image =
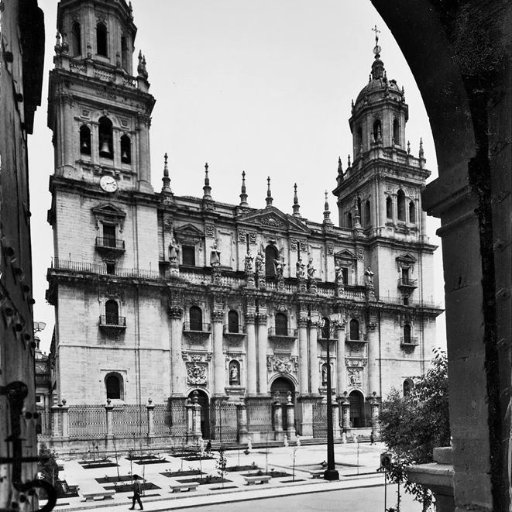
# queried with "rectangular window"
point(344, 273)
point(109, 235)
point(405, 276)
point(111, 268)
point(189, 255)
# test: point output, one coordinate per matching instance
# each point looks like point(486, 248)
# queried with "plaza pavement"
point(356, 463)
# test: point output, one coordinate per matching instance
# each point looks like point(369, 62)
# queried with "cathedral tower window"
point(359, 140)
point(407, 333)
point(367, 213)
point(196, 318)
point(109, 235)
point(76, 39)
point(233, 325)
point(189, 255)
point(354, 329)
point(101, 40)
point(377, 132)
point(389, 208)
point(112, 312)
point(281, 324)
point(405, 275)
point(412, 213)
point(126, 150)
point(396, 132)
point(85, 140)
point(106, 148)
point(114, 386)
point(125, 54)
point(407, 387)
point(400, 199)
point(271, 255)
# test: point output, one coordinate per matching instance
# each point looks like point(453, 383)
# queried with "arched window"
point(101, 40)
point(112, 312)
point(196, 318)
point(271, 255)
point(396, 132)
point(389, 208)
point(234, 373)
point(106, 147)
point(114, 386)
point(377, 131)
point(400, 200)
point(126, 150)
point(354, 329)
point(407, 333)
point(233, 321)
point(359, 207)
point(367, 213)
point(76, 39)
point(359, 140)
point(281, 324)
point(326, 328)
point(408, 385)
point(412, 213)
point(85, 140)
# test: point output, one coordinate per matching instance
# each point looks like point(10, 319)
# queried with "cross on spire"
point(207, 189)
point(296, 206)
point(243, 195)
point(269, 198)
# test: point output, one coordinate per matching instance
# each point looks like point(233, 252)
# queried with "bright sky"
point(263, 86)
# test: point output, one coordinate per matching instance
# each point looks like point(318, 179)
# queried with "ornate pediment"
point(274, 219)
point(188, 234)
point(405, 261)
point(345, 255)
point(110, 213)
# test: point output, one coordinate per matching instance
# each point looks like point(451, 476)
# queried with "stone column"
point(150, 408)
point(55, 421)
point(262, 354)
point(335, 419)
point(278, 419)
point(313, 358)
point(251, 354)
point(303, 356)
point(373, 356)
point(177, 380)
point(374, 404)
point(65, 419)
point(190, 418)
point(341, 369)
point(241, 417)
point(345, 413)
point(196, 418)
point(144, 164)
point(218, 354)
point(290, 417)
point(108, 412)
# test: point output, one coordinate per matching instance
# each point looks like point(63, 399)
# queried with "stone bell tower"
point(98, 111)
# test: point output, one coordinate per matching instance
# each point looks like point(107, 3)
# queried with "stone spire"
point(378, 70)
point(207, 189)
point(269, 193)
point(166, 180)
point(421, 152)
point(243, 195)
point(296, 205)
point(327, 213)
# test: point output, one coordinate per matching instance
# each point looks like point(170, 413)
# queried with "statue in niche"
point(279, 265)
point(339, 275)
point(369, 277)
point(248, 263)
point(174, 250)
point(324, 374)
point(301, 272)
point(260, 263)
point(311, 269)
point(234, 373)
point(215, 255)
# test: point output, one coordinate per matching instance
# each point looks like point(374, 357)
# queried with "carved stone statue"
point(311, 269)
point(248, 264)
point(215, 255)
point(234, 376)
point(174, 251)
point(301, 272)
point(279, 265)
point(369, 277)
point(339, 275)
point(260, 263)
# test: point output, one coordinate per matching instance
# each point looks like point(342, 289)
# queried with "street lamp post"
point(330, 473)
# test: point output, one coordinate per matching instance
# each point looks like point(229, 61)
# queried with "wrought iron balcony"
point(234, 333)
point(282, 334)
point(112, 322)
point(359, 339)
point(409, 341)
point(109, 244)
point(407, 283)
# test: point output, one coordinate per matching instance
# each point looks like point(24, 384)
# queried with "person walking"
point(372, 438)
point(136, 488)
point(209, 447)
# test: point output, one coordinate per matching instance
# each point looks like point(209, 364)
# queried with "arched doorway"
point(204, 402)
point(357, 417)
point(279, 391)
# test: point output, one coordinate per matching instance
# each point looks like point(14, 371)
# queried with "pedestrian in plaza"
point(372, 438)
point(209, 447)
point(136, 488)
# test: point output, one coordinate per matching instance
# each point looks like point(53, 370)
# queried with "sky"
point(261, 86)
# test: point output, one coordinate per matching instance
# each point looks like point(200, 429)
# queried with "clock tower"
point(103, 211)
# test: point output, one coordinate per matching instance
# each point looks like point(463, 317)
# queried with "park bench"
point(180, 487)
point(254, 479)
point(97, 495)
point(317, 473)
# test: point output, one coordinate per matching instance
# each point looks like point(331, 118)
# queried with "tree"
point(413, 425)
point(47, 465)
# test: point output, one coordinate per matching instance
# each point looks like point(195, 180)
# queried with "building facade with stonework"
point(182, 317)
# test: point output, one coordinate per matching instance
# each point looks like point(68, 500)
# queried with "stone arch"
point(204, 401)
point(357, 408)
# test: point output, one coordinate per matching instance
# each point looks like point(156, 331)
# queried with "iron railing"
point(196, 327)
point(110, 243)
point(112, 321)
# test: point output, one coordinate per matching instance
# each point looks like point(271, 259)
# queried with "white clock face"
point(108, 183)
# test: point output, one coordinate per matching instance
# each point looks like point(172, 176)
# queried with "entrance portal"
point(357, 417)
point(204, 402)
point(279, 391)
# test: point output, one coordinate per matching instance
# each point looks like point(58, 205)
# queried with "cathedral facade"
point(185, 317)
